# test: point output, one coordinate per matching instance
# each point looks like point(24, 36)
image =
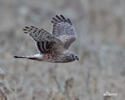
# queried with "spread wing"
point(64, 30)
point(46, 42)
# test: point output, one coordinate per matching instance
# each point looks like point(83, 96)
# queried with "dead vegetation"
point(100, 47)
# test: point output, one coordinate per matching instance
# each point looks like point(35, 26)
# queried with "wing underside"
point(64, 30)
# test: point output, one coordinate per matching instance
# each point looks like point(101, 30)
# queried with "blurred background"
point(100, 45)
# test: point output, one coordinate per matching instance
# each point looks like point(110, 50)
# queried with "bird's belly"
point(56, 59)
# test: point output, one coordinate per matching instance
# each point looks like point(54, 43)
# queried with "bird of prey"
point(53, 47)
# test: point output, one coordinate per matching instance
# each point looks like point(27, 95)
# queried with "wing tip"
point(27, 29)
point(60, 18)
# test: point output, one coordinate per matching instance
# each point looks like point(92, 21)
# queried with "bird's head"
point(76, 58)
point(73, 57)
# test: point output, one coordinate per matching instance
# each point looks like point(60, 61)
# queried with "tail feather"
point(37, 57)
point(19, 57)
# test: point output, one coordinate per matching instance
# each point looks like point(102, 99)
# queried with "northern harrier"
point(53, 47)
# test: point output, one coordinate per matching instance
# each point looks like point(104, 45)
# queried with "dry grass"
point(100, 46)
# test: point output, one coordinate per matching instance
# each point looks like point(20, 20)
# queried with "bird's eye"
point(76, 57)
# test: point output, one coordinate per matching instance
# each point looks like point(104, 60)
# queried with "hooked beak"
point(77, 59)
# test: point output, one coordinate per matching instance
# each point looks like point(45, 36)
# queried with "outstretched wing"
point(46, 42)
point(64, 30)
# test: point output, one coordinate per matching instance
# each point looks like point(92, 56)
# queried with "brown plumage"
point(53, 47)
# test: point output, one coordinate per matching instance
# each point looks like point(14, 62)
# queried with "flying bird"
point(53, 47)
